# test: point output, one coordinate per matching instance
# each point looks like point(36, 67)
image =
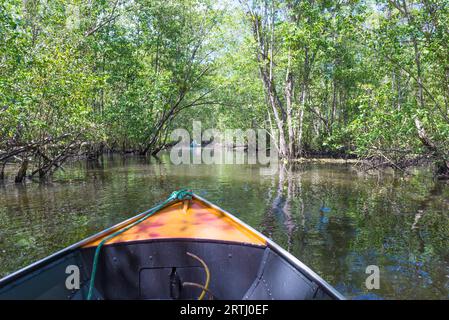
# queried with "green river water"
point(332, 217)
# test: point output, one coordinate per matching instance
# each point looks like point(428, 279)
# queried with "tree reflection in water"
point(332, 217)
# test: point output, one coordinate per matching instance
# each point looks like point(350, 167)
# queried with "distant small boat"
point(184, 248)
point(194, 144)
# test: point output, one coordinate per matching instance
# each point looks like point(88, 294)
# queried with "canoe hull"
point(160, 268)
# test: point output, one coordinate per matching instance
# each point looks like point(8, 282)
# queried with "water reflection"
point(333, 218)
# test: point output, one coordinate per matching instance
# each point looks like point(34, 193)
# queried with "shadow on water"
point(331, 217)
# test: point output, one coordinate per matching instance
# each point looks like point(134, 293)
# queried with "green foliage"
point(46, 84)
point(123, 74)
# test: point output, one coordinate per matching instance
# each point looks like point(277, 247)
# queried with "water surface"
point(333, 218)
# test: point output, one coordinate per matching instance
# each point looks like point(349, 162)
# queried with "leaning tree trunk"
point(442, 162)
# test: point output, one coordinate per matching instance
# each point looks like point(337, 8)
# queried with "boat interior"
point(164, 270)
point(188, 250)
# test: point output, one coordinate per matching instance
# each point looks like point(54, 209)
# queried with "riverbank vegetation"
point(365, 79)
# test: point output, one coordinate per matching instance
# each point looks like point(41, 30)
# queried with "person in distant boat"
point(194, 144)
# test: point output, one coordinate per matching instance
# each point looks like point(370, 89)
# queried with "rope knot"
point(182, 194)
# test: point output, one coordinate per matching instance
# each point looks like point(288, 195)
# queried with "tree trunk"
point(303, 97)
point(289, 107)
point(283, 151)
point(2, 171)
point(334, 107)
point(301, 120)
point(21, 174)
point(265, 41)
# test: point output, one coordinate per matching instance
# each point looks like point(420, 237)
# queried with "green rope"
point(178, 195)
